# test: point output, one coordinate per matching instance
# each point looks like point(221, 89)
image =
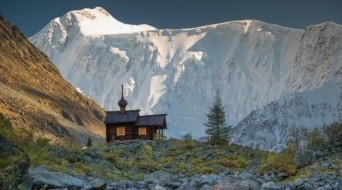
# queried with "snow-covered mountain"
point(177, 71)
point(273, 124)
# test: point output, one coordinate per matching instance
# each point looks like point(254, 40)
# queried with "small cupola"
point(122, 102)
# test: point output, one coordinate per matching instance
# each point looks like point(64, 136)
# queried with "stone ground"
point(318, 169)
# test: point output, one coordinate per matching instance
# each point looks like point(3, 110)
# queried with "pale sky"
point(32, 15)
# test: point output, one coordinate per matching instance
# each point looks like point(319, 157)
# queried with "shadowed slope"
point(33, 93)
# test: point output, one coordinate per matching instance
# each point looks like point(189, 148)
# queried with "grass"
point(38, 151)
point(231, 161)
point(58, 165)
point(81, 168)
point(104, 173)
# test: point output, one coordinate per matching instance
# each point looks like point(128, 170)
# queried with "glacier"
point(178, 71)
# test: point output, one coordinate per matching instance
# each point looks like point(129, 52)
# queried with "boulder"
point(303, 158)
point(156, 187)
point(305, 186)
point(210, 179)
point(298, 182)
point(121, 185)
point(42, 177)
point(269, 176)
point(325, 165)
point(206, 187)
point(234, 182)
point(246, 175)
point(197, 183)
point(94, 184)
point(270, 186)
point(283, 175)
point(161, 177)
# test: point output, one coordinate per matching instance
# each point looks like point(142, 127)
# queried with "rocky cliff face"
point(273, 125)
point(250, 62)
point(34, 95)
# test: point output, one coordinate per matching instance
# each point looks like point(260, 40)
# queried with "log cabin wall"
point(131, 132)
point(112, 132)
point(131, 121)
point(149, 133)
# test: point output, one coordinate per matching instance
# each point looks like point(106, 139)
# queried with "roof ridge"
point(125, 111)
point(152, 115)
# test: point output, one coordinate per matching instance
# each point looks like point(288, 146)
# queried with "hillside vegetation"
point(182, 160)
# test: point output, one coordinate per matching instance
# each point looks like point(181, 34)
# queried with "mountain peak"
point(98, 21)
point(91, 22)
point(89, 14)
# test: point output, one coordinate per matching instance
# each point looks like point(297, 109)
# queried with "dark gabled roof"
point(114, 117)
point(152, 120)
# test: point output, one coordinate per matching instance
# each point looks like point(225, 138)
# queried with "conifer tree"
point(217, 129)
point(89, 142)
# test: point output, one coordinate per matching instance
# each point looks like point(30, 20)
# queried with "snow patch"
point(121, 54)
point(246, 25)
point(79, 90)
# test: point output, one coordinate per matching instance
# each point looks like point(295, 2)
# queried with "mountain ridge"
point(178, 71)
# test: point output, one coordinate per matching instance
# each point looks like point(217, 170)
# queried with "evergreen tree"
point(217, 129)
point(89, 143)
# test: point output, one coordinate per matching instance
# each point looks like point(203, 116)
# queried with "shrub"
point(334, 133)
point(146, 152)
point(113, 157)
point(315, 140)
point(7, 160)
point(181, 168)
point(187, 136)
point(189, 144)
point(4, 122)
point(231, 161)
point(281, 162)
point(296, 140)
point(6, 129)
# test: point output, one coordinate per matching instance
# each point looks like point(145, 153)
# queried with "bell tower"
point(122, 102)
